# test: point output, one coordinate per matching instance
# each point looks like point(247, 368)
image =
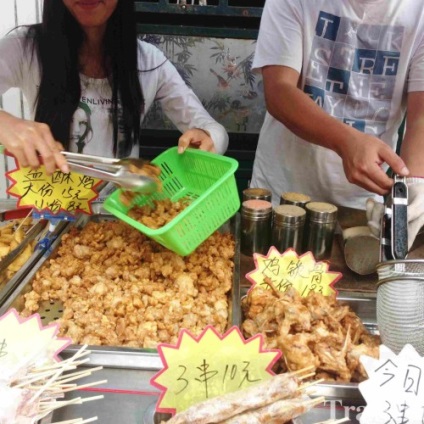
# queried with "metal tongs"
point(114, 170)
point(394, 224)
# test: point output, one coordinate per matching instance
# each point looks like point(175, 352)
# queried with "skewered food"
point(273, 401)
point(314, 330)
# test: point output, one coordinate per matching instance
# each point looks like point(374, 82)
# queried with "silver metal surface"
point(114, 170)
point(400, 303)
point(40, 231)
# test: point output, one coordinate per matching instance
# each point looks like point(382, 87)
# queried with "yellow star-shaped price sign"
point(291, 270)
point(199, 368)
point(24, 338)
point(71, 193)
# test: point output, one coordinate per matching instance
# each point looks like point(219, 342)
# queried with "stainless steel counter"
point(128, 395)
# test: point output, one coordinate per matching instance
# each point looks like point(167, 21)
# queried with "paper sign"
point(394, 391)
point(291, 270)
point(22, 339)
point(71, 193)
point(199, 368)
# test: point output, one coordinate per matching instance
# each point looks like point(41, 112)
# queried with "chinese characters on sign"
point(56, 193)
point(394, 391)
point(290, 270)
point(200, 368)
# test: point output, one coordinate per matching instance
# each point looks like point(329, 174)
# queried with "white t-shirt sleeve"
point(11, 61)
point(416, 69)
point(184, 108)
point(280, 35)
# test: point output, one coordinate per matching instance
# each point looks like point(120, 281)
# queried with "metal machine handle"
point(399, 224)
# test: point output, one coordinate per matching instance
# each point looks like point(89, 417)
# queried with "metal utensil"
point(394, 224)
point(114, 170)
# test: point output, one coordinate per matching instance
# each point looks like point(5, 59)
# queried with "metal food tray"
point(7, 287)
point(115, 356)
point(364, 305)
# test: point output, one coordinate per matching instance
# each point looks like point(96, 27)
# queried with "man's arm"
point(412, 149)
point(362, 154)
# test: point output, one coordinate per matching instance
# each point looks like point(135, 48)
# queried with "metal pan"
point(364, 305)
point(117, 357)
point(38, 233)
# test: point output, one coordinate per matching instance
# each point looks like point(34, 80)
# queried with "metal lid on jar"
point(292, 198)
point(289, 214)
point(321, 212)
point(257, 193)
point(256, 208)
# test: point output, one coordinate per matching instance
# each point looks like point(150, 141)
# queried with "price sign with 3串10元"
point(288, 269)
point(199, 368)
point(394, 391)
point(70, 193)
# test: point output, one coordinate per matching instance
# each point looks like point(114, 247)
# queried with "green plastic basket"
point(207, 178)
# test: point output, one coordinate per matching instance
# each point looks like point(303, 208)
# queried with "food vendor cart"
point(129, 396)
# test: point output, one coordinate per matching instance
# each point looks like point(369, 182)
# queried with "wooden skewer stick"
point(302, 377)
point(313, 402)
point(77, 421)
point(83, 386)
point(311, 367)
point(22, 222)
point(342, 420)
point(312, 383)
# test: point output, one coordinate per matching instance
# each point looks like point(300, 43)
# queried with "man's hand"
point(196, 138)
point(362, 159)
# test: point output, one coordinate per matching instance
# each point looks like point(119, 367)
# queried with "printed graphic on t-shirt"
point(352, 70)
point(81, 127)
point(92, 127)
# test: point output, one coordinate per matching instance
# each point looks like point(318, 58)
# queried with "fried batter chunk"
point(316, 331)
point(120, 288)
point(159, 213)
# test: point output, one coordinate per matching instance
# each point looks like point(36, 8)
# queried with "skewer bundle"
point(33, 389)
point(274, 401)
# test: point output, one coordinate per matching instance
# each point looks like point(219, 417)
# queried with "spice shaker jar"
point(296, 199)
point(320, 226)
point(256, 222)
point(287, 228)
point(257, 193)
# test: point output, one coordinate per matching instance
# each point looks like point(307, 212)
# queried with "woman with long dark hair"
point(90, 82)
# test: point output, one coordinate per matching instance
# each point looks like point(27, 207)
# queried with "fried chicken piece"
point(120, 288)
point(296, 351)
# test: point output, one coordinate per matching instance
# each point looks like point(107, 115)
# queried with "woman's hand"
point(26, 140)
point(197, 138)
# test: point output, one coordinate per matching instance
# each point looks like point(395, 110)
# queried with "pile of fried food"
point(159, 213)
point(273, 401)
point(120, 288)
point(11, 235)
point(315, 330)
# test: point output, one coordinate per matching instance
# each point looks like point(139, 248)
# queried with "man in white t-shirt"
point(338, 78)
